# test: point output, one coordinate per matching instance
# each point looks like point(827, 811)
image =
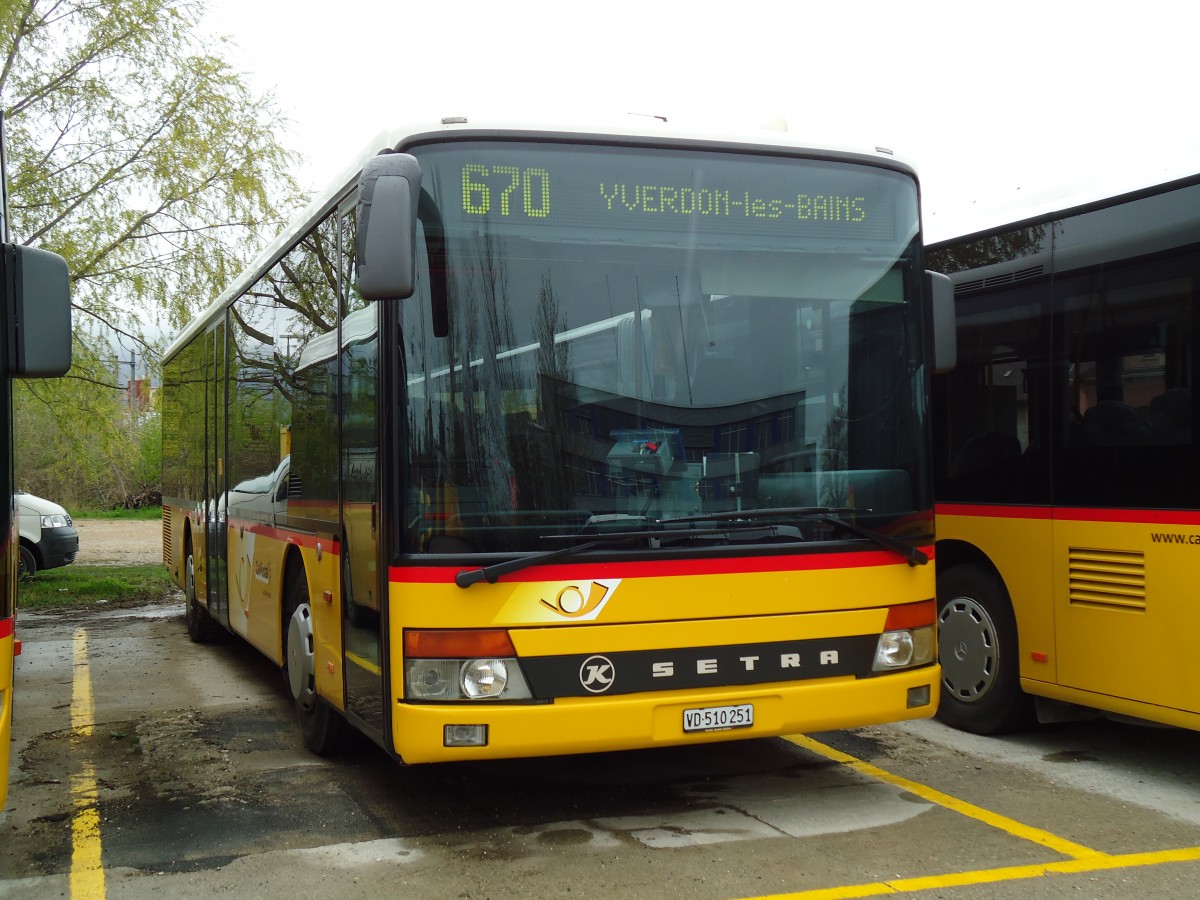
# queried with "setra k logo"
point(597, 674)
point(582, 602)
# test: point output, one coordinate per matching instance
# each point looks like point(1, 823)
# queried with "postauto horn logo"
point(582, 602)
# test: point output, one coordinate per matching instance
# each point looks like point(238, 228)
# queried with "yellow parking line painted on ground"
point(87, 871)
point(1097, 863)
point(1083, 859)
point(995, 820)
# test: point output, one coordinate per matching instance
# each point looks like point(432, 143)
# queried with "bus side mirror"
point(389, 188)
point(940, 290)
point(37, 301)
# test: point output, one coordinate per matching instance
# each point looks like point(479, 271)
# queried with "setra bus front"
point(663, 441)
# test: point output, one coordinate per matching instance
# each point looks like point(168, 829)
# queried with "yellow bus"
point(35, 342)
point(526, 441)
point(1068, 496)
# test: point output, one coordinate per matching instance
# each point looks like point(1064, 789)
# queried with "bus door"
point(363, 591)
point(216, 493)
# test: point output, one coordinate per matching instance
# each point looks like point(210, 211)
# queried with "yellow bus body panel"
point(326, 602)
point(593, 609)
point(255, 589)
point(1105, 614)
point(1126, 612)
point(174, 536)
point(593, 724)
point(6, 697)
point(659, 612)
point(257, 560)
point(1019, 548)
point(516, 601)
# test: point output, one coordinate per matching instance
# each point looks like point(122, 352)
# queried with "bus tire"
point(325, 730)
point(200, 625)
point(978, 647)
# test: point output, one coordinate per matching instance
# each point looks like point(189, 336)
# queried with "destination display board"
point(521, 186)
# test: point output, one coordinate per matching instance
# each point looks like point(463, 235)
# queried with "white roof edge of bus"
point(1052, 201)
point(615, 127)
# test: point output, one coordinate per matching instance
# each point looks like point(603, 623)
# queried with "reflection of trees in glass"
point(539, 454)
point(183, 424)
point(986, 251)
point(553, 358)
point(293, 303)
point(480, 329)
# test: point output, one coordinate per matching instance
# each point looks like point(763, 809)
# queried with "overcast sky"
point(996, 104)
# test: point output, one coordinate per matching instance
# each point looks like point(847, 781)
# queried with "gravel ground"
point(125, 542)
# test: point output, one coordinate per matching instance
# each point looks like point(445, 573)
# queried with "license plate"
point(718, 718)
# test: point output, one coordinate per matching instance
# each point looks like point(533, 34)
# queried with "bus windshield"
point(604, 339)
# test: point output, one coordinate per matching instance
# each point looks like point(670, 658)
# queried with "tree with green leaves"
point(138, 154)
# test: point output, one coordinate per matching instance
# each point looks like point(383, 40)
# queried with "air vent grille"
point(978, 284)
point(1113, 579)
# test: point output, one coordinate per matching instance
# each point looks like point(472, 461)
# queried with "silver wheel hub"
point(301, 669)
point(189, 580)
point(970, 653)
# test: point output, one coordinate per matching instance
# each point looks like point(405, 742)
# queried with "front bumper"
point(58, 547)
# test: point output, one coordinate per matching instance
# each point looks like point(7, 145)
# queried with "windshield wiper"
point(828, 514)
point(492, 573)
point(655, 538)
point(915, 555)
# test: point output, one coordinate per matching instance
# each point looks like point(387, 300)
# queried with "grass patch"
point(146, 512)
point(84, 587)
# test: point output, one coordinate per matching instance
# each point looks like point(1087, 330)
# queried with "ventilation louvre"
point(977, 284)
point(166, 539)
point(1107, 579)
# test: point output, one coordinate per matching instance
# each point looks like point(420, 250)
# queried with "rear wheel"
point(325, 731)
point(977, 643)
point(201, 628)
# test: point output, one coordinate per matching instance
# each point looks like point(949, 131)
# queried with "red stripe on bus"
point(6, 628)
point(998, 512)
point(1073, 514)
point(633, 569)
point(300, 539)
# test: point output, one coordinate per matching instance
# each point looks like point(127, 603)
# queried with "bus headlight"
point(904, 649)
point(908, 638)
point(484, 678)
point(462, 665)
point(464, 679)
point(431, 679)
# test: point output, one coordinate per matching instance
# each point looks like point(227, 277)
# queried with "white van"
point(48, 539)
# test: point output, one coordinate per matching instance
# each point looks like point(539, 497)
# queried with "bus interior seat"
point(1170, 416)
point(1114, 423)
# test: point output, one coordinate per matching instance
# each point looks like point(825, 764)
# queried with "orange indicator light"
point(911, 615)
point(465, 644)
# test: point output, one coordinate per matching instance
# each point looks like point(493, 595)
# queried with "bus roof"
point(1048, 205)
point(644, 130)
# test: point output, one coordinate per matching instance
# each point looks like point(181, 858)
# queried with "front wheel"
point(325, 731)
point(978, 646)
point(27, 565)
